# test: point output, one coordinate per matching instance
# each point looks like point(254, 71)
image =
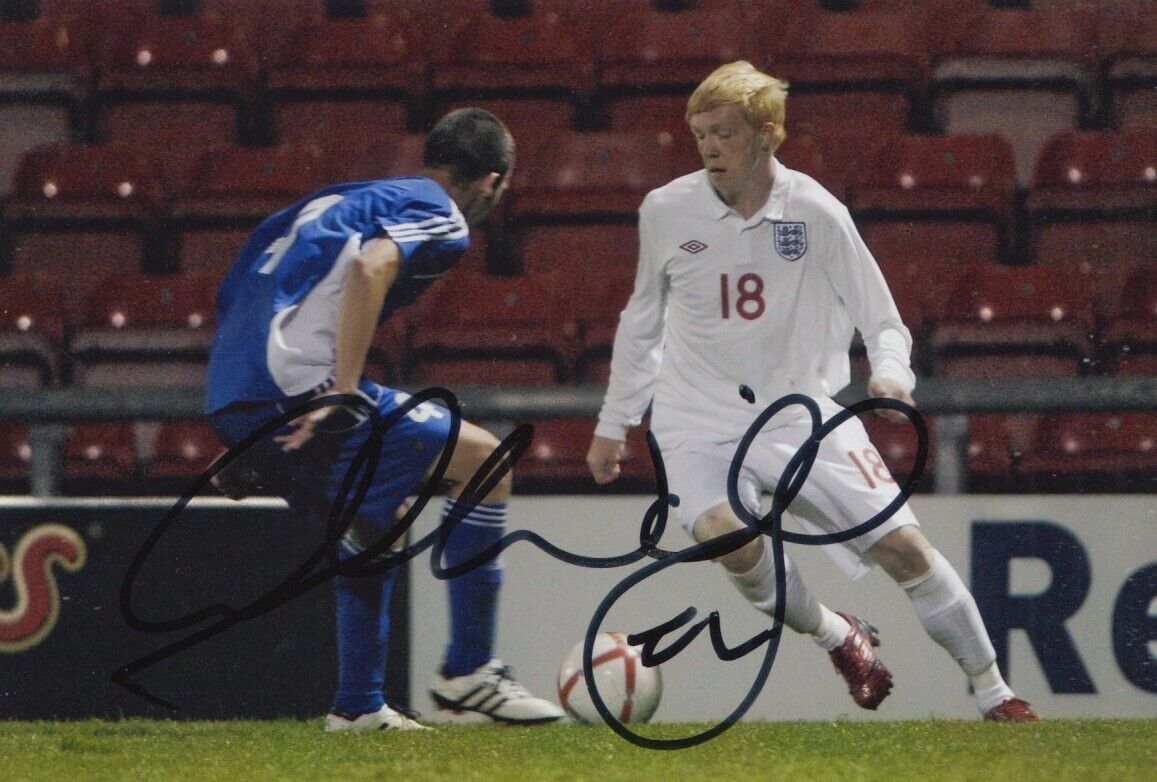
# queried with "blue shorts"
point(408, 449)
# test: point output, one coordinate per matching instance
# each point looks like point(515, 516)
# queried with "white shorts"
point(848, 483)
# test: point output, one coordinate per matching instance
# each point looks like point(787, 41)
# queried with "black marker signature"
point(791, 481)
point(324, 563)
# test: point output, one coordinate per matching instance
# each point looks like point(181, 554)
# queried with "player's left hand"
point(236, 480)
point(603, 458)
point(886, 388)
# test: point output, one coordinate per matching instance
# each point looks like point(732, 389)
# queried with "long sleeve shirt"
point(769, 303)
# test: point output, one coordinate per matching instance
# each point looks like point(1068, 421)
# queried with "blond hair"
point(760, 97)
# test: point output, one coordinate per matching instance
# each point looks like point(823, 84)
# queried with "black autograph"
point(324, 563)
point(791, 481)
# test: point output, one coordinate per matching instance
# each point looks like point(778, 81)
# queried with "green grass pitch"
point(927, 751)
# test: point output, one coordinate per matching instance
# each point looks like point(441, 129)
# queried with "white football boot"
point(384, 718)
point(492, 691)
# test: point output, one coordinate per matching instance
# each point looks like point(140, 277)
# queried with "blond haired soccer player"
point(752, 275)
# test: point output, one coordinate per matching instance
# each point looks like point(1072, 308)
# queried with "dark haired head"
point(470, 143)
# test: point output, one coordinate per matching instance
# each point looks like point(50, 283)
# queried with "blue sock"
point(473, 595)
point(363, 630)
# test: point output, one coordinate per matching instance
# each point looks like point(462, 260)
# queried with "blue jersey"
point(277, 308)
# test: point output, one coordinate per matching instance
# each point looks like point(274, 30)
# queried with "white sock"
point(990, 688)
point(801, 609)
point(949, 614)
point(833, 629)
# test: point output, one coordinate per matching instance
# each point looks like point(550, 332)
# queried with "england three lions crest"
point(791, 240)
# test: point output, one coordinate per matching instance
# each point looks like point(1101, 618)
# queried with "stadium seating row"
point(1058, 452)
point(534, 330)
point(951, 197)
point(164, 458)
point(271, 71)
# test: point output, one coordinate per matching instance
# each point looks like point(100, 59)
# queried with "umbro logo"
point(693, 246)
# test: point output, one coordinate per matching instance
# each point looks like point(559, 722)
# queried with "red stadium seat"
point(869, 65)
point(47, 75)
point(145, 330)
point(234, 182)
point(176, 82)
point(650, 60)
point(15, 457)
point(388, 351)
point(546, 48)
point(269, 23)
point(824, 117)
point(989, 450)
point(31, 331)
point(1024, 73)
point(1079, 451)
point(1013, 321)
point(1130, 338)
point(100, 458)
point(943, 198)
point(46, 56)
point(1090, 208)
point(533, 70)
point(1137, 363)
point(606, 289)
point(997, 443)
point(387, 155)
point(869, 50)
point(593, 174)
point(233, 188)
point(578, 199)
point(346, 81)
point(62, 182)
point(516, 331)
point(181, 452)
point(556, 460)
point(920, 286)
point(557, 457)
point(1097, 171)
point(576, 248)
point(1127, 47)
point(80, 213)
point(803, 152)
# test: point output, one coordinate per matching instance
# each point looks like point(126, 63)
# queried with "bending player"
point(751, 274)
point(296, 315)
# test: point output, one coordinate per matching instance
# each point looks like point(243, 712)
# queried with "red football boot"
point(868, 678)
point(1012, 710)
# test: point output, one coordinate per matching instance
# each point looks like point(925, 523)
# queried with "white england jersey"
point(769, 303)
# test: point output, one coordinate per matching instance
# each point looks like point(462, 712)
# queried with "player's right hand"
point(603, 458)
point(885, 388)
point(303, 428)
point(331, 419)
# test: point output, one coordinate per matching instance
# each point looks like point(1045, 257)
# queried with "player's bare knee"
point(720, 521)
point(904, 554)
point(474, 447)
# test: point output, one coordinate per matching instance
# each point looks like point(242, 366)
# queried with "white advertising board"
point(1068, 585)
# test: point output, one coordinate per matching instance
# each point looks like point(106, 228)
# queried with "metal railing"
point(949, 400)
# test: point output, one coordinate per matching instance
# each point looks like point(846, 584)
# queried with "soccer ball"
point(630, 690)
